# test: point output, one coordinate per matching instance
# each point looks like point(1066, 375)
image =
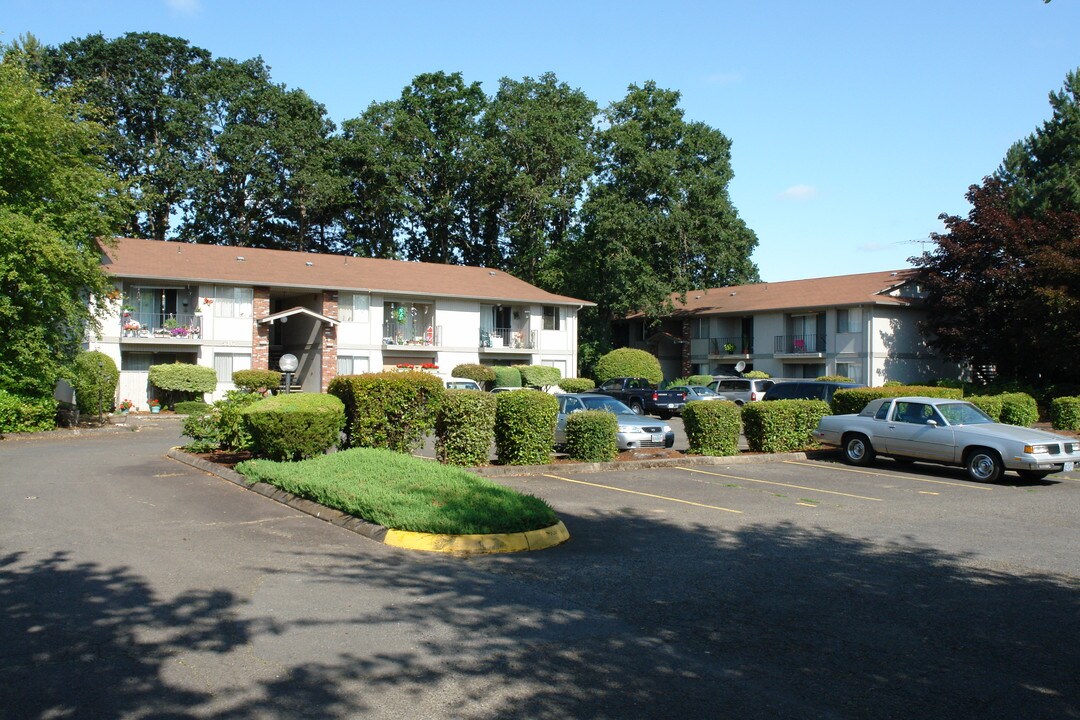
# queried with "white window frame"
point(555, 317)
point(843, 320)
point(232, 301)
point(354, 307)
point(353, 361)
point(225, 364)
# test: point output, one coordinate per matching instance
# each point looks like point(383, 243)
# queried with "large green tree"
point(56, 199)
point(658, 219)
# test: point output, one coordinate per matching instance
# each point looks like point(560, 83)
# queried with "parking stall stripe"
point(649, 495)
point(787, 485)
point(886, 475)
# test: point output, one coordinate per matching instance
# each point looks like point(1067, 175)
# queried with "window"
point(843, 321)
point(699, 328)
point(349, 365)
point(232, 302)
point(849, 370)
point(353, 307)
point(141, 361)
point(225, 364)
point(551, 318)
point(409, 323)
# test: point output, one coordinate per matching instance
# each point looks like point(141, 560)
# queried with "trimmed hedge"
point(849, 401)
point(699, 379)
point(713, 427)
point(482, 374)
point(757, 375)
point(782, 425)
point(538, 376)
point(254, 380)
point(590, 436)
point(576, 385)
point(294, 426)
point(190, 407)
point(183, 379)
point(835, 378)
point(507, 376)
point(95, 378)
point(989, 404)
point(392, 410)
point(525, 427)
point(1019, 408)
point(24, 414)
point(628, 362)
point(465, 428)
point(1065, 413)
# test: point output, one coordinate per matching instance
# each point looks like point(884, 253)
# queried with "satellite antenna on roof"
point(740, 366)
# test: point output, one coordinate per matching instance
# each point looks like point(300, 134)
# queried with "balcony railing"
point(506, 338)
point(799, 344)
point(731, 346)
point(167, 326)
point(400, 336)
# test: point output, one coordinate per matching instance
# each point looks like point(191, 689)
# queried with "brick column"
point(260, 333)
point(685, 346)
point(328, 339)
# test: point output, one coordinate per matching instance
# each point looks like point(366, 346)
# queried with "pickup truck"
point(643, 398)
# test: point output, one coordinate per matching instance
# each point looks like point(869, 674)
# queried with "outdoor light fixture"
point(288, 364)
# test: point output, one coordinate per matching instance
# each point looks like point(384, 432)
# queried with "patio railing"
point(168, 326)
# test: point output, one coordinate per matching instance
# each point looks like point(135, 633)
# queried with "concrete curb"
point(513, 470)
point(429, 542)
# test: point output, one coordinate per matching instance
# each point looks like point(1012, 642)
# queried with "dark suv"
point(807, 390)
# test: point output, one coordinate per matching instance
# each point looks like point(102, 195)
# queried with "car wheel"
point(858, 450)
point(664, 416)
point(1032, 475)
point(984, 465)
point(637, 407)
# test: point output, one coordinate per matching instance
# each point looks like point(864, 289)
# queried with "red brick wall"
point(329, 338)
point(260, 333)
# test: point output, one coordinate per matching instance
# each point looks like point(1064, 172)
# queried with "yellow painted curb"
point(479, 544)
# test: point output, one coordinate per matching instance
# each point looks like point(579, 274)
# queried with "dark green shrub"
point(255, 380)
point(182, 381)
point(628, 362)
point(989, 404)
point(392, 410)
point(190, 407)
point(233, 427)
point(294, 426)
point(713, 427)
point(1065, 413)
point(465, 428)
point(782, 425)
point(482, 374)
point(590, 436)
point(23, 414)
point(525, 427)
point(576, 385)
point(848, 401)
point(835, 378)
point(95, 378)
point(507, 376)
point(1018, 408)
point(538, 376)
point(699, 379)
point(203, 429)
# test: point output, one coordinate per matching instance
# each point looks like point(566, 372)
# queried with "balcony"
point(731, 347)
point(158, 327)
point(802, 345)
point(498, 339)
point(400, 337)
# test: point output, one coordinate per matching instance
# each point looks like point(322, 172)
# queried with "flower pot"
point(155, 409)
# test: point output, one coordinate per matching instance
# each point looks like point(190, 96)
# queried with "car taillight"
point(655, 395)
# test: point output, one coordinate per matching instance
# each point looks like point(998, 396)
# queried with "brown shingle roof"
point(795, 294)
point(155, 259)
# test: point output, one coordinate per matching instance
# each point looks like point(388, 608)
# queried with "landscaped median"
point(421, 505)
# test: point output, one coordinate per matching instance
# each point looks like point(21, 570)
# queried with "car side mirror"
point(932, 423)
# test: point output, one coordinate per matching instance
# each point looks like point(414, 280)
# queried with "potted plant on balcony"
point(729, 348)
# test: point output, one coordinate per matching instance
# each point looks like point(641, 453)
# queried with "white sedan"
point(947, 431)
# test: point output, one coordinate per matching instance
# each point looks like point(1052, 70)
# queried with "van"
point(808, 390)
point(741, 390)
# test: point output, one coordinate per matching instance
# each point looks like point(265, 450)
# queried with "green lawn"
point(402, 492)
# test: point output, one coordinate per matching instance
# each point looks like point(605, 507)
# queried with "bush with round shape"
point(392, 410)
point(25, 414)
point(989, 404)
point(835, 378)
point(629, 362)
point(576, 385)
point(253, 381)
point(465, 428)
point(525, 427)
point(713, 427)
point(482, 374)
point(507, 376)
point(1018, 408)
point(294, 426)
point(782, 425)
point(757, 375)
point(190, 407)
point(538, 376)
point(590, 436)
point(95, 378)
point(698, 380)
point(1065, 413)
point(849, 401)
point(182, 381)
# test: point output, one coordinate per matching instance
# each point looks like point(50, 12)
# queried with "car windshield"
point(963, 414)
point(701, 390)
point(605, 403)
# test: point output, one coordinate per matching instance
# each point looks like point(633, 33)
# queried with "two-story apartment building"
point(236, 308)
point(862, 326)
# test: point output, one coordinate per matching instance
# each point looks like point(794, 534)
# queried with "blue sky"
point(854, 124)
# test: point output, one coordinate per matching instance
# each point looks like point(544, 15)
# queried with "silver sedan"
point(634, 431)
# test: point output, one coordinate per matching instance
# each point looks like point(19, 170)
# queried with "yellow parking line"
point(770, 482)
point(927, 492)
point(887, 475)
point(807, 504)
point(634, 492)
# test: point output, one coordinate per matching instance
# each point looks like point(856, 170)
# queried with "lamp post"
point(288, 364)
